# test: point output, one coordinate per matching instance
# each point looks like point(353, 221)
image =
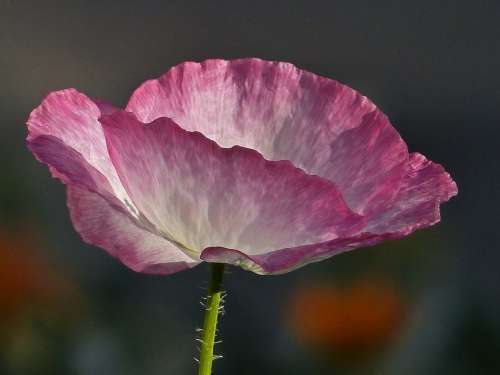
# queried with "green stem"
point(210, 322)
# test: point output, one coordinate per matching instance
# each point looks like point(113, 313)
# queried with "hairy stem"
point(210, 322)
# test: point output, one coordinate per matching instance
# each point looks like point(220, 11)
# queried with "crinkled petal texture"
point(203, 195)
point(247, 162)
point(64, 133)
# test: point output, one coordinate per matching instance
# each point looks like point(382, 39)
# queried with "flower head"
point(247, 162)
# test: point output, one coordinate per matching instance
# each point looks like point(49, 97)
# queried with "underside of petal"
point(102, 225)
point(286, 260)
point(202, 195)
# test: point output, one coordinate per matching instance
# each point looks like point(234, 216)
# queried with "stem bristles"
point(212, 305)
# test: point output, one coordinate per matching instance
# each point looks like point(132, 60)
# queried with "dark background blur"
point(428, 304)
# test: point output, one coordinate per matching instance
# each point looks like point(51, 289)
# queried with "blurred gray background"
point(428, 304)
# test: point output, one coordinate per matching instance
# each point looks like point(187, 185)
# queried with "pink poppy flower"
point(247, 162)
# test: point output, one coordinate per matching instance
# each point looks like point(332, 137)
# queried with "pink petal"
point(66, 125)
point(64, 133)
point(202, 195)
point(288, 259)
point(320, 125)
point(178, 196)
point(105, 107)
point(102, 225)
point(70, 166)
point(367, 162)
point(416, 206)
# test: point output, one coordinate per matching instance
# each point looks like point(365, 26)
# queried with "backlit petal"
point(415, 206)
point(202, 195)
point(65, 134)
point(285, 113)
point(69, 119)
point(102, 225)
point(247, 162)
point(288, 259)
